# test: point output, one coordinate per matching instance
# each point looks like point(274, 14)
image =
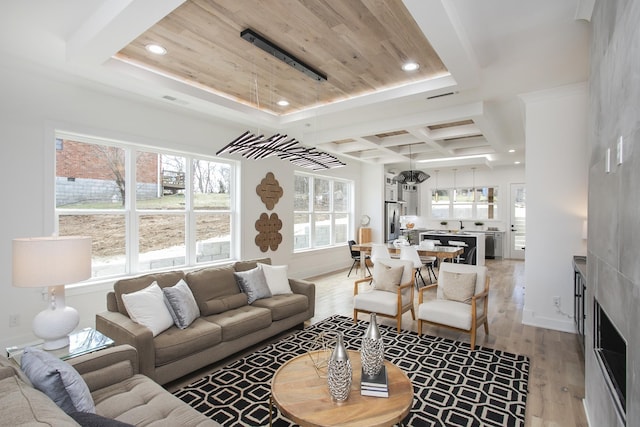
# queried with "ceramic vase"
point(339, 372)
point(372, 349)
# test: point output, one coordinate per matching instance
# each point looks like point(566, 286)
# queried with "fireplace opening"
point(611, 353)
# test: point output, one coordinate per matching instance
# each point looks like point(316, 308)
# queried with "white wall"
point(33, 105)
point(556, 179)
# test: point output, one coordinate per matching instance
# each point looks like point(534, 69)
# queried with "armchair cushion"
point(458, 286)
point(385, 277)
point(445, 312)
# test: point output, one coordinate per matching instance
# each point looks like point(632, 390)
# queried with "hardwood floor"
point(556, 377)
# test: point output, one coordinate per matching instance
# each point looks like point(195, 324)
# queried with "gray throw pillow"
point(253, 283)
point(58, 380)
point(181, 304)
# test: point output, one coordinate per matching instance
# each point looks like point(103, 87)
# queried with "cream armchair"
point(461, 301)
point(388, 292)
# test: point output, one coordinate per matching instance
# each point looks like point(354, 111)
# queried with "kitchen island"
point(471, 239)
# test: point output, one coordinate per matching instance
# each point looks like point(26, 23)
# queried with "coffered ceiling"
point(461, 107)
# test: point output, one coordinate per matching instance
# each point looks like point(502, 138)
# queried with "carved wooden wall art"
point(269, 190)
point(269, 236)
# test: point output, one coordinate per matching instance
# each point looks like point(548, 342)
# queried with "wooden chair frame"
point(475, 320)
point(401, 309)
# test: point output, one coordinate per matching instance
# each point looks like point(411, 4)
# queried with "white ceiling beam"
point(114, 25)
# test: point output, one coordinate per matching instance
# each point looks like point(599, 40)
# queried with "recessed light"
point(516, 163)
point(512, 151)
point(410, 66)
point(283, 103)
point(156, 49)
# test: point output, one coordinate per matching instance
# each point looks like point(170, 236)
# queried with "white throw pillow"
point(387, 278)
point(277, 279)
point(147, 307)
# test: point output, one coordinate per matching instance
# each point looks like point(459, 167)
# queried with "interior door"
point(518, 229)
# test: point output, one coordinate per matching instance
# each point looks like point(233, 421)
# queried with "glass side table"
point(81, 342)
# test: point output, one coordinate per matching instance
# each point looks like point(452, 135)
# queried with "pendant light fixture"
point(411, 176)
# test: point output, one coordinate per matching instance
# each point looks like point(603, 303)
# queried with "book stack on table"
point(376, 386)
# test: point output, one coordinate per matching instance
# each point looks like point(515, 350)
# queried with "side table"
point(81, 342)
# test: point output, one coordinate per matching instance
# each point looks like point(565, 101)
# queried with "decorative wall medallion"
point(269, 236)
point(269, 190)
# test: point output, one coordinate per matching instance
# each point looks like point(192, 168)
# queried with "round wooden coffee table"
point(303, 396)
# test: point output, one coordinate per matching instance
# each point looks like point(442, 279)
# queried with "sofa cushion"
point(147, 307)
point(174, 343)
point(283, 306)
point(140, 401)
point(277, 279)
point(253, 283)
point(58, 380)
point(94, 420)
point(126, 286)
point(241, 321)
point(24, 405)
point(250, 264)
point(181, 304)
point(215, 290)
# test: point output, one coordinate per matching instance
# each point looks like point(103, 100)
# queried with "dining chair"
point(461, 301)
point(460, 244)
point(356, 257)
point(379, 251)
point(389, 292)
point(429, 261)
point(410, 253)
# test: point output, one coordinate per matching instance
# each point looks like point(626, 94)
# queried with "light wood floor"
point(556, 377)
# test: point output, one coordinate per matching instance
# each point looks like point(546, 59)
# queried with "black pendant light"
point(411, 176)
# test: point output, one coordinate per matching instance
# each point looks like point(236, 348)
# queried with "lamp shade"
point(51, 261)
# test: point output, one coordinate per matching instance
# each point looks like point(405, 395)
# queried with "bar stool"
point(459, 244)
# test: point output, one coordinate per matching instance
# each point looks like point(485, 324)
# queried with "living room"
point(39, 101)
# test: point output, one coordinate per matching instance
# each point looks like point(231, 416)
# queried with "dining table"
point(438, 251)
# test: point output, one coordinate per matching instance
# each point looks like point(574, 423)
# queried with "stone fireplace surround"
point(613, 270)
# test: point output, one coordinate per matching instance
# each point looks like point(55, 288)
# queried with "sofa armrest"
point(122, 330)
point(106, 367)
point(299, 286)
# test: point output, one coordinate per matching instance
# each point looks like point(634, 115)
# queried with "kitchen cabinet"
point(390, 188)
point(410, 195)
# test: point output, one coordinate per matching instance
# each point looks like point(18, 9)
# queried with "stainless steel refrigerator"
point(392, 214)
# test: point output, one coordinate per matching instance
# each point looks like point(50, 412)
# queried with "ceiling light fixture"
point(283, 103)
point(410, 66)
point(284, 56)
point(444, 159)
point(411, 176)
point(156, 49)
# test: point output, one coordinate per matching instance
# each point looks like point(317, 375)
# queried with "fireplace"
point(611, 353)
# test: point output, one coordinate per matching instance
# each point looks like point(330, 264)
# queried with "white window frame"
point(131, 214)
point(474, 204)
point(331, 212)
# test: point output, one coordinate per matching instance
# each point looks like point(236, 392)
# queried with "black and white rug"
point(453, 386)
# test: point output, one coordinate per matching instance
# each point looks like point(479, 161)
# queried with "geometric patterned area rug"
point(453, 386)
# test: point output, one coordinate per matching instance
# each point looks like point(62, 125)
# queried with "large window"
point(145, 210)
point(465, 203)
point(323, 211)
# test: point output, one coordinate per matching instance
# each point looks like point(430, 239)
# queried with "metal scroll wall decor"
point(255, 147)
point(269, 226)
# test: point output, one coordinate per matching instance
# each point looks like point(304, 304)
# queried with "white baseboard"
point(530, 318)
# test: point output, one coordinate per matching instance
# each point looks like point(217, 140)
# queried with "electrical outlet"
point(556, 301)
point(14, 320)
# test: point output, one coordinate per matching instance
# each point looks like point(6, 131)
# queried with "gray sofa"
point(118, 391)
point(227, 322)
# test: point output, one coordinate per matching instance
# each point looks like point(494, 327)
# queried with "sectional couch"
point(230, 318)
point(119, 394)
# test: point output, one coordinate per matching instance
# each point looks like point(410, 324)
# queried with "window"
point(465, 203)
point(145, 210)
point(323, 211)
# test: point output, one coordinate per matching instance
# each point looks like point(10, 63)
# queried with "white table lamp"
point(53, 262)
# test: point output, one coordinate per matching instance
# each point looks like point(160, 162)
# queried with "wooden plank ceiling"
point(359, 44)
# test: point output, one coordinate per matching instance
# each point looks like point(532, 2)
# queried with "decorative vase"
point(372, 349)
point(339, 372)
